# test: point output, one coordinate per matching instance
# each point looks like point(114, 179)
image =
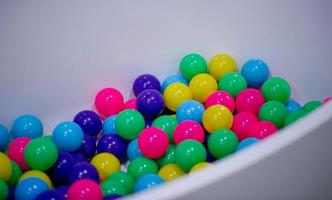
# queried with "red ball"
point(241, 123)
point(84, 189)
point(153, 142)
point(261, 129)
point(221, 98)
point(188, 130)
point(109, 101)
point(16, 151)
point(249, 100)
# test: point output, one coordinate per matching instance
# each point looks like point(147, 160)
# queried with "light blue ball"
point(109, 125)
point(27, 126)
point(190, 110)
point(148, 181)
point(30, 188)
point(246, 143)
point(133, 151)
point(4, 137)
point(293, 105)
point(68, 136)
point(173, 79)
point(255, 72)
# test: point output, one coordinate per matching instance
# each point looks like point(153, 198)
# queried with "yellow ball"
point(201, 86)
point(200, 166)
point(106, 164)
point(217, 117)
point(175, 94)
point(170, 172)
point(220, 65)
point(38, 174)
point(5, 167)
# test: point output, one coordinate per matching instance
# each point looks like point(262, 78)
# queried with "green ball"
point(167, 124)
point(276, 89)
point(273, 111)
point(191, 65)
point(141, 166)
point(222, 143)
point(233, 83)
point(16, 174)
point(168, 158)
point(311, 106)
point(3, 190)
point(41, 154)
point(188, 153)
point(109, 187)
point(294, 117)
point(125, 179)
point(129, 123)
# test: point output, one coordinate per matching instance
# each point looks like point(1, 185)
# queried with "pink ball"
point(84, 189)
point(109, 101)
point(153, 142)
point(16, 151)
point(328, 99)
point(241, 123)
point(249, 100)
point(130, 104)
point(221, 98)
point(261, 129)
point(188, 129)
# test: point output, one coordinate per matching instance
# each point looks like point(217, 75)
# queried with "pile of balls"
point(208, 112)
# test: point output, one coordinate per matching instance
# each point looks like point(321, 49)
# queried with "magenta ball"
point(16, 151)
point(261, 129)
point(130, 104)
point(153, 142)
point(249, 100)
point(84, 189)
point(241, 123)
point(221, 98)
point(188, 130)
point(109, 101)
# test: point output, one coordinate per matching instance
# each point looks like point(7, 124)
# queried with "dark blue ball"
point(150, 103)
point(89, 121)
point(50, 195)
point(63, 191)
point(144, 82)
point(78, 157)
point(88, 148)
point(112, 144)
point(83, 170)
point(112, 197)
point(62, 167)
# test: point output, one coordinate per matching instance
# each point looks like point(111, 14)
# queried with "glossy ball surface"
point(27, 126)
point(144, 82)
point(220, 65)
point(292, 105)
point(255, 72)
point(175, 94)
point(241, 123)
point(88, 147)
point(133, 150)
point(170, 172)
point(167, 124)
point(83, 170)
point(188, 153)
point(150, 103)
point(112, 144)
point(111, 187)
point(221, 98)
point(16, 151)
point(190, 110)
point(246, 143)
point(201, 86)
point(62, 168)
point(173, 79)
point(124, 179)
point(249, 100)
point(141, 166)
point(4, 137)
point(148, 181)
point(189, 130)
point(106, 164)
point(89, 122)
point(129, 123)
point(131, 104)
point(153, 142)
point(109, 101)
point(84, 189)
point(294, 117)
point(68, 136)
point(261, 130)
point(276, 89)
point(233, 83)
point(30, 188)
point(217, 117)
point(311, 106)
point(191, 65)
point(222, 143)
point(108, 127)
point(6, 167)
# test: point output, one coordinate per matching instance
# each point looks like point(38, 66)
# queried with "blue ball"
point(292, 106)
point(148, 181)
point(133, 151)
point(148, 123)
point(27, 126)
point(173, 79)
point(113, 144)
point(62, 167)
point(246, 143)
point(109, 125)
point(4, 137)
point(112, 197)
point(68, 136)
point(50, 195)
point(78, 157)
point(30, 188)
point(63, 191)
point(255, 72)
point(150, 103)
point(144, 82)
point(88, 147)
point(83, 170)
point(190, 110)
point(89, 121)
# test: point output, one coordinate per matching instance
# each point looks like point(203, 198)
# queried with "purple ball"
point(144, 82)
point(61, 168)
point(88, 147)
point(83, 170)
point(50, 195)
point(112, 197)
point(89, 121)
point(78, 157)
point(150, 103)
point(112, 144)
point(63, 191)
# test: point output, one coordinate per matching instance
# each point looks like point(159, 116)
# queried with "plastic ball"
point(188, 153)
point(188, 130)
point(150, 103)
point(4, 190)
point(110, 187)
point(294, 117)
point(88, 147)
point(261, 129)
point(168, 158)
point(130, 104)
point(200, 166)
point(109, 101)
point(173, 79)
point(190, 110)
point(38, 174)
point(112, 144)
point(292, 105)
point(221, 98)
point(311, 106)
point(6, 167)
point(246, 143)
point(40, 154)
point(109, 125)
point(84, 189)
point(167, 124)
point(106, 164)
point(144, 82)
point(170, 172)
point(148, 181)
point(255, 72)
point(16, 151)
point(124, 179)
point(63, 191)
point(153, 142)
point(62, 167)
point(217, 117)
point(276, 89)
point(249, 100)
point(222, 143)
point(273, 111)
point(16, 174)
point(68, 136)
point(112, 197)
point(241, 123)
point(201, 86)
point(175, 94)
point(327, 99)
point(129, 123)
point(30, 188)
point(78, 157)
point(83, 170)
point(4, 137)
point(89, 121)
point(27, 126)
point(233, 83)
point(50, 195)
point(220, 65)
point(133, 150)
point(191, 65)
point(141, 166)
